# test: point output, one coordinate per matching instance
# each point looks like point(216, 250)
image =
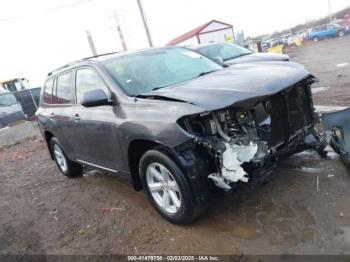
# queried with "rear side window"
point(88, 79)
point(64, 89)
point(47, 93)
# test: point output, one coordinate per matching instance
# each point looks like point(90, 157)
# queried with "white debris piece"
point(219, 181)
point(232, 159)
point(326, 109)
point(313, 170)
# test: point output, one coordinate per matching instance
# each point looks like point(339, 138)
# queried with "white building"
point(211, 32)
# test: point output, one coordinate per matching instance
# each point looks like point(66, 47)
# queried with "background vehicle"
point(285, 38)
point(10, 110)
point(179, 123)
point(15, 84)
point(275, 42)
point(326, 31)
point(235, 54)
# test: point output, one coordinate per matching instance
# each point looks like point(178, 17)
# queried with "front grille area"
point(290, 111)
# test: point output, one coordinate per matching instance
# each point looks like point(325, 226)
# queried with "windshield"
point(225, 51)
point(148, 70)
point(7, 100)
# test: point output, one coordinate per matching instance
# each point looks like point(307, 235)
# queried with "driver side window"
point(87, 79)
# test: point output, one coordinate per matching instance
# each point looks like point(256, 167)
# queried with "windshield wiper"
point(200, 74)
point(156, 88)
point(244, 54)
point(205, 73)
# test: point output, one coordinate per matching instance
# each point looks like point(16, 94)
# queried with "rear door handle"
point(76, 117)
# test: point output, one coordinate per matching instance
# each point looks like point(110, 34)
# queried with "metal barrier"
point(28, 99)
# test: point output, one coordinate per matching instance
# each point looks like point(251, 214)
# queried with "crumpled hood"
point(235, 84)
point(257, 57)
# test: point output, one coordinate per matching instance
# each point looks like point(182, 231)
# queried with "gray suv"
point(180, 124)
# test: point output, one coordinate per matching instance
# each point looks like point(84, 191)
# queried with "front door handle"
point(76, 117)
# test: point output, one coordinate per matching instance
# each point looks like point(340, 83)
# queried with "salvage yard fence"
point(29, 100)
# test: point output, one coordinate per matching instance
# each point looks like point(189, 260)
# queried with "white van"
point(10, 110)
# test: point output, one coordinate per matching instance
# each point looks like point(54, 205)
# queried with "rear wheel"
point(68, 168)
point(315, 39)
point(341, 33)
point(167, 187)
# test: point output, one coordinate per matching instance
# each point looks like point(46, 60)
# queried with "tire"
point(341, 33)
point(315, 39)
point(170, 193)
point(67, 167)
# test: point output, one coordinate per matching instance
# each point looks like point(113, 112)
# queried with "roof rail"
point(86, 58)
point(111, 53)
point(62, 67)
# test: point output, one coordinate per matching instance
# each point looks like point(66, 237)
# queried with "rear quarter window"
point(47, 92)
point(64, 94)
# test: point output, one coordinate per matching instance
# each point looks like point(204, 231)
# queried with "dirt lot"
point(304, 209)
point(328, 60)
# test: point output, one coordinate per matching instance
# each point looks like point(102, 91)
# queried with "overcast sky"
point(40, 35)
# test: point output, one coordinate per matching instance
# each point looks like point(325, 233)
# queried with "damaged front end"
point(245, 141)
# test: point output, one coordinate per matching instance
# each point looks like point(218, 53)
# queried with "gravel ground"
point(304, 209)
point(329, 61)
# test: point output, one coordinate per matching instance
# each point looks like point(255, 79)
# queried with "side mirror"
point(95, 97)
point(218, 59)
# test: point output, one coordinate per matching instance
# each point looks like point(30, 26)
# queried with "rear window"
point(64, 93)
point(47, 93)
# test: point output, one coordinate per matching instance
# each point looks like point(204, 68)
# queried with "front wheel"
point(167, 187)
point(341, 33)
point(67, 167)
point(316, 39)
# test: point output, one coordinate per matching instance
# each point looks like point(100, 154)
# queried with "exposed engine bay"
point(250, 137)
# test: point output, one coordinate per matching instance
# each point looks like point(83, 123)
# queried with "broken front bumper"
point(337, 126)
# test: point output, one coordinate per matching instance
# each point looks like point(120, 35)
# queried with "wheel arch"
point(136, 149)
point(48, 136)
point(193, 162)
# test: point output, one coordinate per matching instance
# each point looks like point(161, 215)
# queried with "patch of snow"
point(333, 155)
point(4, 128)
point(319, 89)
point(342, 64)
point(326, 109)
point(312, 170)
point(330, 153)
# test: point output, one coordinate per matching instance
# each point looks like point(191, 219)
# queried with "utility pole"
point(330, 11)
point(143, 16)
point(121, 36)
point(91, 43)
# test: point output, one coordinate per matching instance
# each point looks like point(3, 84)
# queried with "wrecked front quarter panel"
point(337, 124)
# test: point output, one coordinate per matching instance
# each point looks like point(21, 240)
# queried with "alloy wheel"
point(163, 188)
point(60, 158)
